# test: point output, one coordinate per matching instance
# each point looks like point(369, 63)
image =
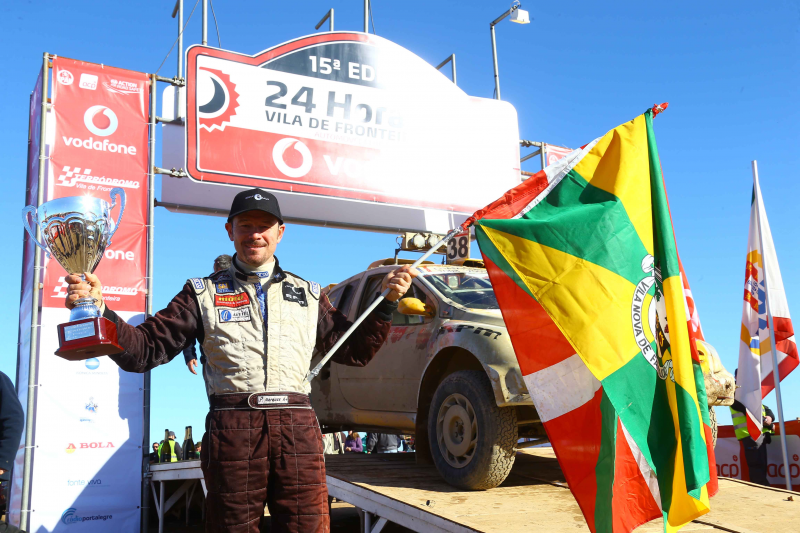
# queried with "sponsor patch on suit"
point(223, 287)
point(234, 315)
point(198, 284)
point(233, 300)
point(295, 294)
point(314, 288)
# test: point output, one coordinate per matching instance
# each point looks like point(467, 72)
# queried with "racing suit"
point(262, 442)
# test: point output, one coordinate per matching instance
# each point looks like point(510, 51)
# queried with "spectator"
point(333, 443)
point(197, 447)
point(175, 450)
point(154, 453)
point(12, 422)
point(408, 443)
point(352, 444)
point(222, 262)
point(382, 443)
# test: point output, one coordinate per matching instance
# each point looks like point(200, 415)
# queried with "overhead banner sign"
point(348, 117)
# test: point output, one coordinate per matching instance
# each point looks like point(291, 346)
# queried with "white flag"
point(755, 374)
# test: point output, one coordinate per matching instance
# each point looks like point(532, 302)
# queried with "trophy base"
point(90, 337)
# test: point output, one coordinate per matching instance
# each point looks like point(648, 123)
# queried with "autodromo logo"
point(93, 363)
point(277, 156)
point(89, 118)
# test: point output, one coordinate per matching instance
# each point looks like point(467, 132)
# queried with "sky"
point(729, 71)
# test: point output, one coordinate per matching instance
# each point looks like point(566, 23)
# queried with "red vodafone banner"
point(101, 135)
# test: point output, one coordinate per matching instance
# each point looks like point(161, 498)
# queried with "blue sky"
point(728, 70)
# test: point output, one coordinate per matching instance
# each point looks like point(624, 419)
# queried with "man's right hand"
point(191, 364)
point(91, 288)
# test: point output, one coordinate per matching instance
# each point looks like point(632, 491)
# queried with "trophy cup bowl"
point(76, 230)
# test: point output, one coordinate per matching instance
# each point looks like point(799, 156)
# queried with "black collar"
point(277, 272)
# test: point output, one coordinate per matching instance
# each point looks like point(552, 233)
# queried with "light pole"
point(520, 16)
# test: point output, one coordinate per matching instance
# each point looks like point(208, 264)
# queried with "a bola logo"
point(93, 122)
point(277, 156)
point(225, 315)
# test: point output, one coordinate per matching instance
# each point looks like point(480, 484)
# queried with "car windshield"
point(470, 289)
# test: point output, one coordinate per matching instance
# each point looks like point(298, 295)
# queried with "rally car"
point(447, 374)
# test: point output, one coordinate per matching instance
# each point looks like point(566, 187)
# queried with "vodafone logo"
point(278, 157)
point(102, 126)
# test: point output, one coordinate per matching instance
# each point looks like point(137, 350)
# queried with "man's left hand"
point(399, 281)
point(767, 420)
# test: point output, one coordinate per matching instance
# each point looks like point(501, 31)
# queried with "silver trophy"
point(76, 230)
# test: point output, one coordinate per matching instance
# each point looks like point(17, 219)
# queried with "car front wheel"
point(472, 440)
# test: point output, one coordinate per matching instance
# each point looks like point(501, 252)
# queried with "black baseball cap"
point(255, 200)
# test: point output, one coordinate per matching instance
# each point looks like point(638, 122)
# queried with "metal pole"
point(366, 16)
point(205, 22)
point(329, 17)
point(151, 182)
point(452, 61)
point(315, 371)
point(773, 347)
point(178, 10)
point(543, 155)
point(494, 60)
point(494, 49)
point(25, 511)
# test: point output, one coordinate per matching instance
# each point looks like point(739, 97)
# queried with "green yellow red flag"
point(590, 240)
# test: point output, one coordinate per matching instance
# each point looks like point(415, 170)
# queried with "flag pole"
point(773, 348)
point(314, 372)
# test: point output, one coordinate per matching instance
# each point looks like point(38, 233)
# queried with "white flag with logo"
point(755, 376)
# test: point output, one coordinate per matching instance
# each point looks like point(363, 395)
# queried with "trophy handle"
point(30, 210)
point(117, 191)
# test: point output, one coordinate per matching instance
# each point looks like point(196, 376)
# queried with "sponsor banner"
point(554, 153)
point(100, 143)
point(88, 416)
point(88, 439)
point(348, 117)
point(731, 461)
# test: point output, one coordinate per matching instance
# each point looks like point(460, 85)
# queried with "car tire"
point(472, 440)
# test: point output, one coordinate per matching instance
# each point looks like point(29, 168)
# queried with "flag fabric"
point(755, 376)
point(583, 260)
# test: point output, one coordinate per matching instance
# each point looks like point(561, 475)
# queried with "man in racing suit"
point(258, 325)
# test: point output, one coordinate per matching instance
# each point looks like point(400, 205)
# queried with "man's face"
point(255, 235)
point(155, 446)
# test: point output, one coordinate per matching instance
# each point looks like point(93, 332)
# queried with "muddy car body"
point(448, 375)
